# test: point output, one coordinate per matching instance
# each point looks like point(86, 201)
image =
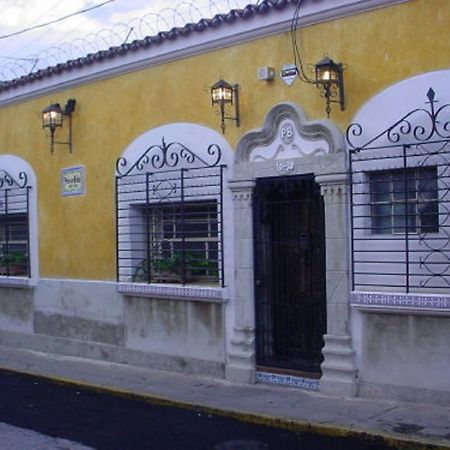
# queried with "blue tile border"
point(397, 300)
point(287, 380)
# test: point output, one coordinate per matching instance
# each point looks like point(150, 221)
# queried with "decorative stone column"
point(240, 366)
point(338, 368)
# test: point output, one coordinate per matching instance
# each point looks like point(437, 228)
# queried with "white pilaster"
point(338, 368)
point(240, 364)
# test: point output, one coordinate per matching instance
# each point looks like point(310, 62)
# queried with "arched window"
point(400, 201)
point(18, 243)
point(170, 207)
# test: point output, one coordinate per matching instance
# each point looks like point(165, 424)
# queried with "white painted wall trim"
point(14, 166)
point(17, 282)
point(196, 43)
point(75, 280)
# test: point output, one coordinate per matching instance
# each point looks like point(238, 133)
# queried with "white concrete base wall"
point(403, 356)
point(92, 320)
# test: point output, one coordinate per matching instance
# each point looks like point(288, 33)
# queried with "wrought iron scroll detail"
point(169, 156)
point(437, 261)
point(8, 181)
point(418, 140)
point(163, 190)
point(433, 124)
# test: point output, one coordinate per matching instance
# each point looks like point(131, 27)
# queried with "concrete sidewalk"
point(396, 422)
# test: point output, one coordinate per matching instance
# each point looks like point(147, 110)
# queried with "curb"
point(391, 441)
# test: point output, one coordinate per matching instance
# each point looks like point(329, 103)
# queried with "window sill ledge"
point(17, 282)
point(398, 303)
point(170, 292)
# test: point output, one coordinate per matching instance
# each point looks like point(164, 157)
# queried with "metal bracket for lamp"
point(52, 118)
point(222, 94)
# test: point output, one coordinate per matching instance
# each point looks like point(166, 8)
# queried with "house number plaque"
point(285, 166)
point(72, 181)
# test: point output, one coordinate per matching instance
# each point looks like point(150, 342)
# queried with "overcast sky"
point(102, 27)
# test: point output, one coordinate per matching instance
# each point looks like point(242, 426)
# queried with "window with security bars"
point(404, 201)
point(169, 220)
point(182, 243)
point(14, 240)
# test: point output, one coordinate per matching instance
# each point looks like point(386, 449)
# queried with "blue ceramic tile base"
point(287, 380)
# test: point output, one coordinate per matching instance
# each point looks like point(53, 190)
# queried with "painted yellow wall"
point(77, 234)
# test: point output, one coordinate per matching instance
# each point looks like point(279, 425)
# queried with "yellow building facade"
point(71, 302)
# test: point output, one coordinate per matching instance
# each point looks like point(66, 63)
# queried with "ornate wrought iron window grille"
point(169, 220)
point(14, 225)
point(400, 202)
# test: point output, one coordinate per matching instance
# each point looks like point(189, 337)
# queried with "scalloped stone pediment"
point(288, 134)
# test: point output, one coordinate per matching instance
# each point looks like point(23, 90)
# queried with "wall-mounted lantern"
point(52, 118)
point(224, 94)
point(329, 77)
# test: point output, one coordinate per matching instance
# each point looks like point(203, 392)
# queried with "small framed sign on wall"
point(72, 181)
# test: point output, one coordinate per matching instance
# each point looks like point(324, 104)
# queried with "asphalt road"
point(81, 417)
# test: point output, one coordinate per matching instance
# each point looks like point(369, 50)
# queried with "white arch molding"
point(16, 166)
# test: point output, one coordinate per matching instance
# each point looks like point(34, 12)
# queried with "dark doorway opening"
point(290, 294)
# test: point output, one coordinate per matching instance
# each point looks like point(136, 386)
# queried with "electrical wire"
point(42, 25)
point(295, 48)
point(44, 35)
point(33, 41)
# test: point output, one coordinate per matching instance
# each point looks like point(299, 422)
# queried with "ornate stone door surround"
point(289, 144)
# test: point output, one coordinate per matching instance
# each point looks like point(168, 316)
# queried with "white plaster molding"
point(240, 366)
point(333, 185)
point(278, 139)
point(77, 280)
point(333, 190)
point(242, 190)
point(339, 371)
point(301, 146)
point(197, 138)
point(164, 291)
point(15, 166)
point(385, 108)
point(242, 197)
point(195, 44)
point(387, 302)
point(17, 282)
point(332, 179)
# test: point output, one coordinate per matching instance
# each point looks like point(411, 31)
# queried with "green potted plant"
point(170, 269)
point(14, 263)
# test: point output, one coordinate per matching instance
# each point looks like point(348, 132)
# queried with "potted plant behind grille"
point(13, 264)
point(170, 269)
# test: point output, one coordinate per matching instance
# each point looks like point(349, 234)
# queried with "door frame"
point(289, 144)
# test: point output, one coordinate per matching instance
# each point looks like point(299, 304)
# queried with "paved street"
point(102, 416)
point(15, 438)
point(68, 417)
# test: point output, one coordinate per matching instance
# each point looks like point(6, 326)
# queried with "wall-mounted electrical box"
point(266, 73)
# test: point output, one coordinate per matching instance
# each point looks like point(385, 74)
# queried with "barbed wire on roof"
point(185, 12)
